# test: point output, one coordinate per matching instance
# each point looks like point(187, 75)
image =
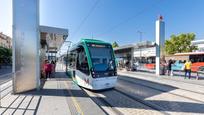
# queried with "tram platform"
point(57, 96)
point(174, 81)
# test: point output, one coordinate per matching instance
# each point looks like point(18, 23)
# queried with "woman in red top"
point(47, 69)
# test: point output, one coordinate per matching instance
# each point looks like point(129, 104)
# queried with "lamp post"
point(140, 36)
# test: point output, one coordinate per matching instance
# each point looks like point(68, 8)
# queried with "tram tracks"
point(103, 98)
point(153, 106)
point(100, 101)
point(165, 91)
point(114, 101)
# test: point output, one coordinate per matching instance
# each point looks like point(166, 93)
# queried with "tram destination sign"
point(98, 45)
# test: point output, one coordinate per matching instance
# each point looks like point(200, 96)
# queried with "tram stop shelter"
point(51, 39)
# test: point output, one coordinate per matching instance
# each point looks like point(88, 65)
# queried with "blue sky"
point(116, 20)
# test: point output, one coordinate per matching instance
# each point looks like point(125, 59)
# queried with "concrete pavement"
point(175, 81)
point(58, 96)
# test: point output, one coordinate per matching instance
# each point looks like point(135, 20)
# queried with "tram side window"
point(72, 60)
point(82, 62)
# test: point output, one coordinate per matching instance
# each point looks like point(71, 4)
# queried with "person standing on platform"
point(188, 69)
point(169, 67)
point(53, 67)
point(47, 69)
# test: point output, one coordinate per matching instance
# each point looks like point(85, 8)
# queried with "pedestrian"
point(163, 66)
point(127, 65)
point(47, 67)
point(187, 66)
point(170, 62)
point(53, 67)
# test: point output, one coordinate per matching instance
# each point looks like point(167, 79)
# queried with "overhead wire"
point(126, 20)
point(86, 17)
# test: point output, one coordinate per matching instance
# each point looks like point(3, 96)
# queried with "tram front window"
point(102, 58)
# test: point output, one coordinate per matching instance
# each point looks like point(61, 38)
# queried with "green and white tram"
point(92, 64)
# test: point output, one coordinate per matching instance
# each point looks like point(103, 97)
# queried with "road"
point(5, 70)
point(4, 74)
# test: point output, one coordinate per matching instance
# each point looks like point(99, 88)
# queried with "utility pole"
point(140, 36)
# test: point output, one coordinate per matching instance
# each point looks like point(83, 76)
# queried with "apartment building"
point(5, 41)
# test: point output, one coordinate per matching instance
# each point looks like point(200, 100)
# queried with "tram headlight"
point(93, 73)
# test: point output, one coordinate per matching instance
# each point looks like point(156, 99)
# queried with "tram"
point(92, 65)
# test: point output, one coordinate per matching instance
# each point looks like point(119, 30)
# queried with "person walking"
point(53, 65)
point(169, 67)
point(187, 66)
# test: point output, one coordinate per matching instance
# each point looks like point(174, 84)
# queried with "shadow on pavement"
point(112, 96)
point(167, 106)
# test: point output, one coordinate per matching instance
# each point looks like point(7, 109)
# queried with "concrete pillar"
point(26, 42)
point(160, 39)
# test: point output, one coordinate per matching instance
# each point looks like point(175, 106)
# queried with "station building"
point(199, 44)
point(143, 52)
point(5, 41)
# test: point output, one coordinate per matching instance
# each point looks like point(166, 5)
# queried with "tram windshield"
point(102, 57)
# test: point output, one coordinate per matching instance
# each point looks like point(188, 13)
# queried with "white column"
point(160, 39)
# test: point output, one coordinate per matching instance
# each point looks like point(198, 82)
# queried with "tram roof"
point(93, 41)
point(85, 40)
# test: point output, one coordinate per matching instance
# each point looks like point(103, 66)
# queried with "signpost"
point(160, 39)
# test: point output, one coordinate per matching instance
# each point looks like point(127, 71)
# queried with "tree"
point(180, 43)
point(5, 55)
point(115, 44)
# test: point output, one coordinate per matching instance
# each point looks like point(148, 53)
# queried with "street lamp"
point(140, 36)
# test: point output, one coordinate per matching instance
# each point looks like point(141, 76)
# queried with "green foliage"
point(5, 55)
point(115, 44)
point(180, 43)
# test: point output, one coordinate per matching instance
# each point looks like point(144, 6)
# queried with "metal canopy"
point(137, 45)
point(48, 29)
point(53, 36)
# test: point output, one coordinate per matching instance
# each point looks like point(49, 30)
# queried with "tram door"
point(82, 62)
point(72, 63)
